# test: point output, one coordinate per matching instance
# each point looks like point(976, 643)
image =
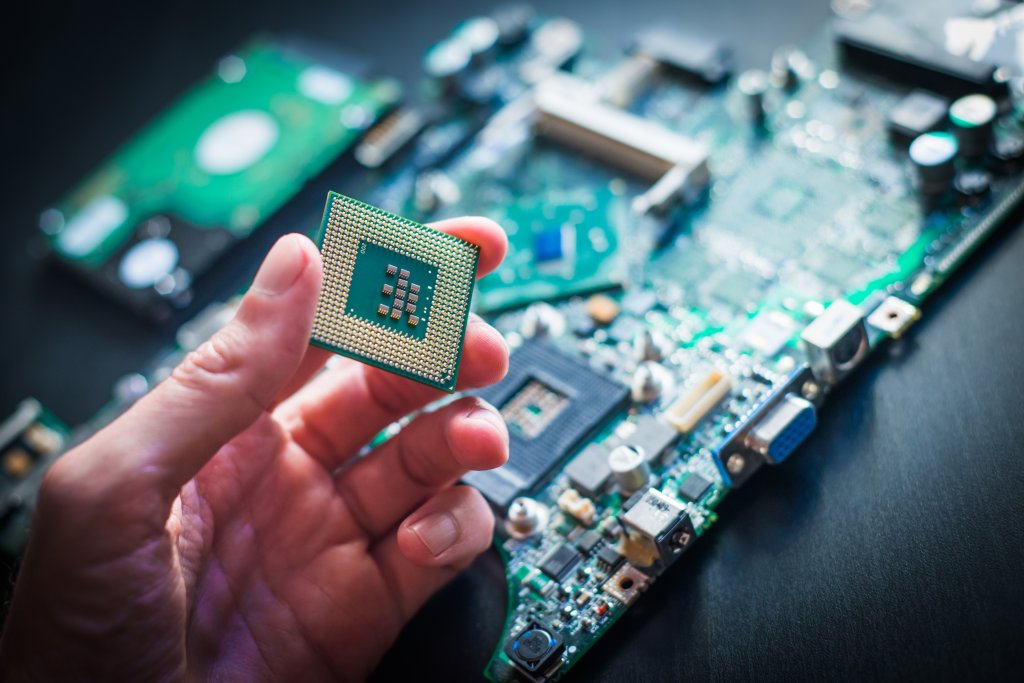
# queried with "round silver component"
point(648, 345)
point(629, 468)
point(932, 155)
point(650, 382)
point(541, 320)
point(447, 59)
point(526, 517)
point(972, 117)
point(480, 35)
point(735, 463)
point(752, 85)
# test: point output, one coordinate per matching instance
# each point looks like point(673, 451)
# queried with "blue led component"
point(547, 245)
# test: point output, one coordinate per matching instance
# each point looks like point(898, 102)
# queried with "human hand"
point(207, 533)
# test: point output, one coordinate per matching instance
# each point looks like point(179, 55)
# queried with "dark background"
point(889, 547)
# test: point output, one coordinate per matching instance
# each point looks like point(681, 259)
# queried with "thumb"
point(220, 388)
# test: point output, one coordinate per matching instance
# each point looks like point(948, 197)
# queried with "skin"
point(221, 529)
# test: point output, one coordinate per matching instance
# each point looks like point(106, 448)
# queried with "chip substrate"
point(395, 293)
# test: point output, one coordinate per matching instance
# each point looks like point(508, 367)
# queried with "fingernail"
point(438, 532)
point(491, 417)
point(281, 268)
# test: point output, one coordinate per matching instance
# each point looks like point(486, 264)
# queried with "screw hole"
point(626, 583)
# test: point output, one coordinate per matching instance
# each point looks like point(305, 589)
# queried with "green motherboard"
point(697, 258)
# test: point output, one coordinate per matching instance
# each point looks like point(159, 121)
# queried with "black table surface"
point(890, 546)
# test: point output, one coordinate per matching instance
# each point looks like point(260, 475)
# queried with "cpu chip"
point(370, 255)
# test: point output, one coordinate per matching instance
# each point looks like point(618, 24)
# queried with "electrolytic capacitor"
point(753, 84)
point(932, 156)
point(972, 117)
point(784, 73)
point(629, 467)
point(479, 34)
point(446, 60)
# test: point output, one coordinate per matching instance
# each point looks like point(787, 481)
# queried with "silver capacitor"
point(526, 517)
point(932, 156)
point(650, 382)
point(752, 84)
point(629, 467)
point(971, 118)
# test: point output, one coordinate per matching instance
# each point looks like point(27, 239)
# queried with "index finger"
point(484, 233)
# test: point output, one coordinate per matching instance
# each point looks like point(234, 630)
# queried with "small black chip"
point(589, 471)
point(694, 487)
point(587, 541)
point(559, 561)
point(916, 114)
point(609, 558)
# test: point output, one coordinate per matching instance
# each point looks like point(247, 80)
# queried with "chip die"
point(371, 259)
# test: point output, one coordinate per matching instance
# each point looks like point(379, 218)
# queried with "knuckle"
point(215, 356)
point(57, 482)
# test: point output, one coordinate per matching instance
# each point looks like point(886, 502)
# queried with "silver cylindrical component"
point(932, 156)
point(629, 467)
point(752, 85)
point(446, 60)
point(972, 117)
point(526, 517)
point(479, 34)
point(650, 382)
point(541, 320)
point(784, 72)
point(648, 345)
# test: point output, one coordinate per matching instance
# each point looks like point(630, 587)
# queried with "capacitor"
point(784, 68)
point(1008, 153)
point(932, 156)
point(752, 85)
point(526, 517)
point(650, 382)
point(446, 60)
point(973, 185)
point(629, 467)
point(650, 345)
point(972, 117)
point(513, 23)
point(479, 34)
point(541, 320)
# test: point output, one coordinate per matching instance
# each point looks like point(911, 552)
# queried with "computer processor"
point(395, 293)
point(212, 168)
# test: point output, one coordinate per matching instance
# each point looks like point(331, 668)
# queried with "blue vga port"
point(783, 428)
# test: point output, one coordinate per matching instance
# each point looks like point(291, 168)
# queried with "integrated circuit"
point(559, 561)
point(694, 487)
point(916, 114)
point(553, 402)
point(395, 293)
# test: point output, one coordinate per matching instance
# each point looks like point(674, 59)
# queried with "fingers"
point(320, 417)
point(217, 391)
point(313, 360)
point(379, 397)
point(483, 232)
point(437, 541)
point(433, 451)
